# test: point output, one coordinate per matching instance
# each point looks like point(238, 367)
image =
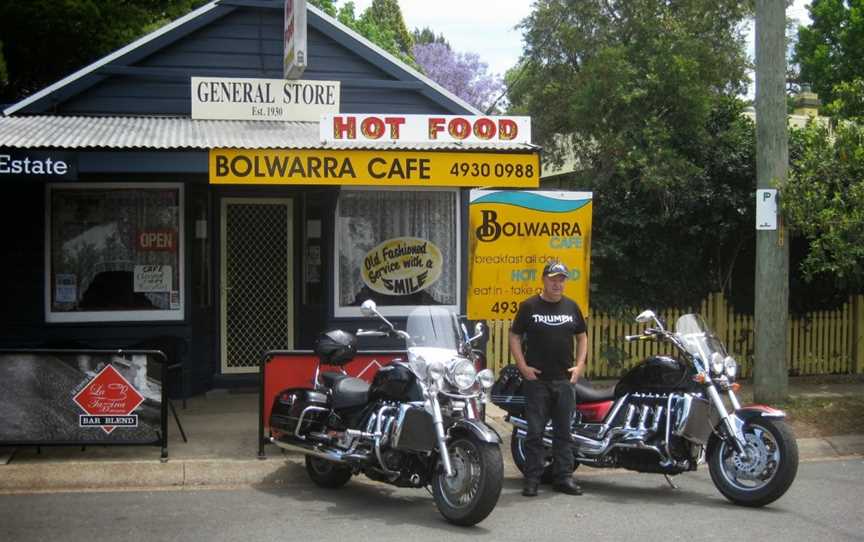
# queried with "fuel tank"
point(395, 382)
point(657, 374)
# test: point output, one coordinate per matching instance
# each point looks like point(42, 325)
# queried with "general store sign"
point(512, 235)
point(425, 128)
point(338, 167)
point(231, 98)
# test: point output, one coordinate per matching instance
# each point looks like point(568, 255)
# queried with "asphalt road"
point(824, 504)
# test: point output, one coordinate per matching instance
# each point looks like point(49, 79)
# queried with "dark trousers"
point(543, 400)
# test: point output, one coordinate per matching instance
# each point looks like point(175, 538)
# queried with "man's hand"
point(574, 374)
point(529, 373)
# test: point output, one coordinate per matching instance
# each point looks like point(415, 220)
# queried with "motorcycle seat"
point(587, 394)
point(347, 391)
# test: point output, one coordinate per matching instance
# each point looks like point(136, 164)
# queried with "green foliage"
point(427, 36)
point(823, 200)
point(642, 94)
point(848, 101)
point(46, 40)
point(381, 23)
point(387, 15)
point(327, 6)
point(830, 50)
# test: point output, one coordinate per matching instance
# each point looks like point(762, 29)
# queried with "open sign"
point(157, 240)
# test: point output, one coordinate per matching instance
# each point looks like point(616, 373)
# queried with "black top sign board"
point(47, 165)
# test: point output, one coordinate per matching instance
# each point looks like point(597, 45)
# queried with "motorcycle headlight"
point(717, 363)
point(731, 367)
point(435, 369)
point(486, 378)
point(462, 374)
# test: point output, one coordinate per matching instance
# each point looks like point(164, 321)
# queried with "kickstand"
point(671, 483)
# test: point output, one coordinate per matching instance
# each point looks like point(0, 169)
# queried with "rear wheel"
point(517, 450)
point(764, 472)
point(327, 473)
point(467, 497)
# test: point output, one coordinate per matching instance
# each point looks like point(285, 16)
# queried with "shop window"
point(114, 252)
point(397, 247)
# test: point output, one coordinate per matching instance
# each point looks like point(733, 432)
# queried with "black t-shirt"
point(548, 330)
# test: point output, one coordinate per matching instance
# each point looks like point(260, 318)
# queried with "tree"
point(388, 15)
point(463, 74)
point(45, 40)
point(830, 50)
point(823, 200)
point(427, 36)
point(383, 26)
point(641, 94)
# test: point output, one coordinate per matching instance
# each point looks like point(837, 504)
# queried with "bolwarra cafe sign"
point(425, 128)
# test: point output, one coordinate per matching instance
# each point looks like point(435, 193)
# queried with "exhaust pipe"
point(585, 444)
point(323, 453)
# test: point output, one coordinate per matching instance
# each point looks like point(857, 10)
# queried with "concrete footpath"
point(223, 450)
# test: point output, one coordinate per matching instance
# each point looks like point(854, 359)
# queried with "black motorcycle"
point(417, 425)
point(666, 415)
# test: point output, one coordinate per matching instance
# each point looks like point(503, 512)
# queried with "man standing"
point(549, 322)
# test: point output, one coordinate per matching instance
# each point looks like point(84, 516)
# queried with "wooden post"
point(770, 375)
point(857, 333)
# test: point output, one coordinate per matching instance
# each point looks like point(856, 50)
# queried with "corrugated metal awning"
point(166, 133)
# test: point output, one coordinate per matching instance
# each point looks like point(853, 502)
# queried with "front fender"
point(740, 418)
point(751, 412)
point(475, 428)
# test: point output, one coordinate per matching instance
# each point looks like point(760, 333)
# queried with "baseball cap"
point(555, 268)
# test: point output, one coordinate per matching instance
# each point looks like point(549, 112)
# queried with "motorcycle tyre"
point(518, 455)
point(783, 478)
point(491, 479)
point(327, 473)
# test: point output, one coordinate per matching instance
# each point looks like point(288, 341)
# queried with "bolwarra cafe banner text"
point(512, 235)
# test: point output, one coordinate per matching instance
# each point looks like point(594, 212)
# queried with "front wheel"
point(467, 497)
point(761, 475)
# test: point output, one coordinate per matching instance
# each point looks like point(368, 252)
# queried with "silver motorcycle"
point(418, 424)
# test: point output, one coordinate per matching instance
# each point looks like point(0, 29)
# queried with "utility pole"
point(771, 378)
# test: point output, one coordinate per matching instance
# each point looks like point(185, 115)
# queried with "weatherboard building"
point(181, 194)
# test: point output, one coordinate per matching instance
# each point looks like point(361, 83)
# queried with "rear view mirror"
point(646, 316)
point(369, 308)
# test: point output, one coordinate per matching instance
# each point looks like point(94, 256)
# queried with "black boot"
point(530, 488)
point(568, 486)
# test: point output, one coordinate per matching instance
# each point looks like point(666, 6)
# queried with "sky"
point(487, 27)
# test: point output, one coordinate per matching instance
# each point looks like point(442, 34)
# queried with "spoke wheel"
point(468, 496)
point(765, 470)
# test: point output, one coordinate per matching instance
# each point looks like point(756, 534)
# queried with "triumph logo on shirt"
point(552, 319)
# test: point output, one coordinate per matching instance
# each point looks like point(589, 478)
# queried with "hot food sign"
point(425, 129)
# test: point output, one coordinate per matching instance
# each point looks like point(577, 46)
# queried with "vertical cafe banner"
point(512, 235)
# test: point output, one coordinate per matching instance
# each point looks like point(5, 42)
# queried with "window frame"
point(160, 315)
point(396, 310)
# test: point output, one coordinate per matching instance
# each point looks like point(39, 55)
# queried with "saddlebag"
point(298, 411)
point(507, 391)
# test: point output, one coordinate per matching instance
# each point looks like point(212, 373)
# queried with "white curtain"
point(367, 218)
